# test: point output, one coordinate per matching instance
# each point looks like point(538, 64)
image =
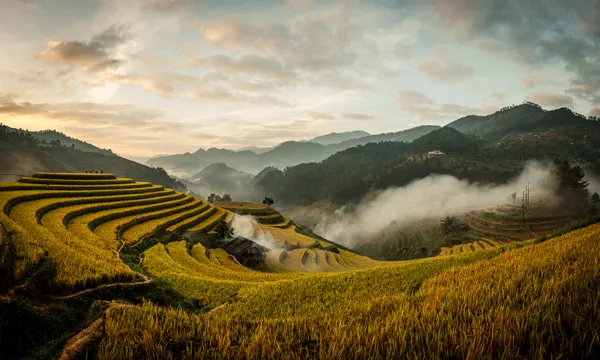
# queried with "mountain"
point(48, 136)
point(219, 178)
point(524, 118)
point(351, 174)
point(289, 153)
point(336, 138)
point(405, 135)
point(255, 149)
point(21, 153)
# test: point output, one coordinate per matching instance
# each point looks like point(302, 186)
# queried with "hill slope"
point(69, 239)
point(22, 153)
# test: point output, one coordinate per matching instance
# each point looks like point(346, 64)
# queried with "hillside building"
point(246, 252)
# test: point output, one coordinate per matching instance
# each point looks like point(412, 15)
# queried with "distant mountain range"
point(336, 138)
point(286, 154)
point(484, 149)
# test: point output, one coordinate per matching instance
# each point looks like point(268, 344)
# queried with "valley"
point(353, 255)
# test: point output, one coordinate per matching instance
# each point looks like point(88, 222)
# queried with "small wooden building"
point(247, 252)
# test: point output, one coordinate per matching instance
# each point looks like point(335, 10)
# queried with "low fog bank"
point(243, 225)
point(435, 196)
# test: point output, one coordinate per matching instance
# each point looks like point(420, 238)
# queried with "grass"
point(539, 301)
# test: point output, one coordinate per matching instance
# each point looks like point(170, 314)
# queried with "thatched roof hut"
point(246, 251)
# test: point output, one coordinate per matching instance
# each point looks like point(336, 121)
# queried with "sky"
point(149, 77)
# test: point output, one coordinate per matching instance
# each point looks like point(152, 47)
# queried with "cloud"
point(551, 100)
point(438, 66)
point(165, 5)
point(531, 80)
point(595, 112)
point(321, 116)
point(497, 97)
point(355, 116)
point(426, 109)
point(183, 86)
point(307, 44)
point(83, 113)
point(300, 3)
point(27, 5)
point(409, 99)
point(536, 79)
point(523, 28)
point(97, 54)
point(267, 134)
point(249, 64)
point(432, 197)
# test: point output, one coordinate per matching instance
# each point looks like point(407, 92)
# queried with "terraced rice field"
point(80, 223)
point(514, 228)
point(484, 304)
point(481, 244)
point(482, 300)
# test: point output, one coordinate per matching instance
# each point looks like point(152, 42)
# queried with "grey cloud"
point(551, 100)
point(535, 31)
point(355, 116)
point(595, 112)
point(97, 54)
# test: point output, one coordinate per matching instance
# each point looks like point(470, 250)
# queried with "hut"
point(246, 251)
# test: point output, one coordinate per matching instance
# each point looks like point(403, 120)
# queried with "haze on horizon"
point(146, 77)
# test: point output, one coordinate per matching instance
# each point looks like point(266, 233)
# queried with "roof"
point(240, 245)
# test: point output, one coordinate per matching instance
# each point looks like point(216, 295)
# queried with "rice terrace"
point(93, 246)
point(299, 179)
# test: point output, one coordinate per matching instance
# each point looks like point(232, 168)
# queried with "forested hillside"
point(21, 152)
point(348, 175)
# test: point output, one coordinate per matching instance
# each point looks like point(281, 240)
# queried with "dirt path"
point(76, 345)
point(146, 280)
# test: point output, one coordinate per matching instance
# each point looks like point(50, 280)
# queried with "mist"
point(243, 225)
point(435, 196)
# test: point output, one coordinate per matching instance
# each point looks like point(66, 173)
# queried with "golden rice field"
point(483, 300)
point(473, 246)
point(539, 301)
point(79, 223)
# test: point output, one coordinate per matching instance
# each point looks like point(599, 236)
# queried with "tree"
point(268, 201)
point(223, 230)
point(211, 198)
point(450, 224)
point(571, 189)
point(226, 198)
point(218, 198)
point(595, 198)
